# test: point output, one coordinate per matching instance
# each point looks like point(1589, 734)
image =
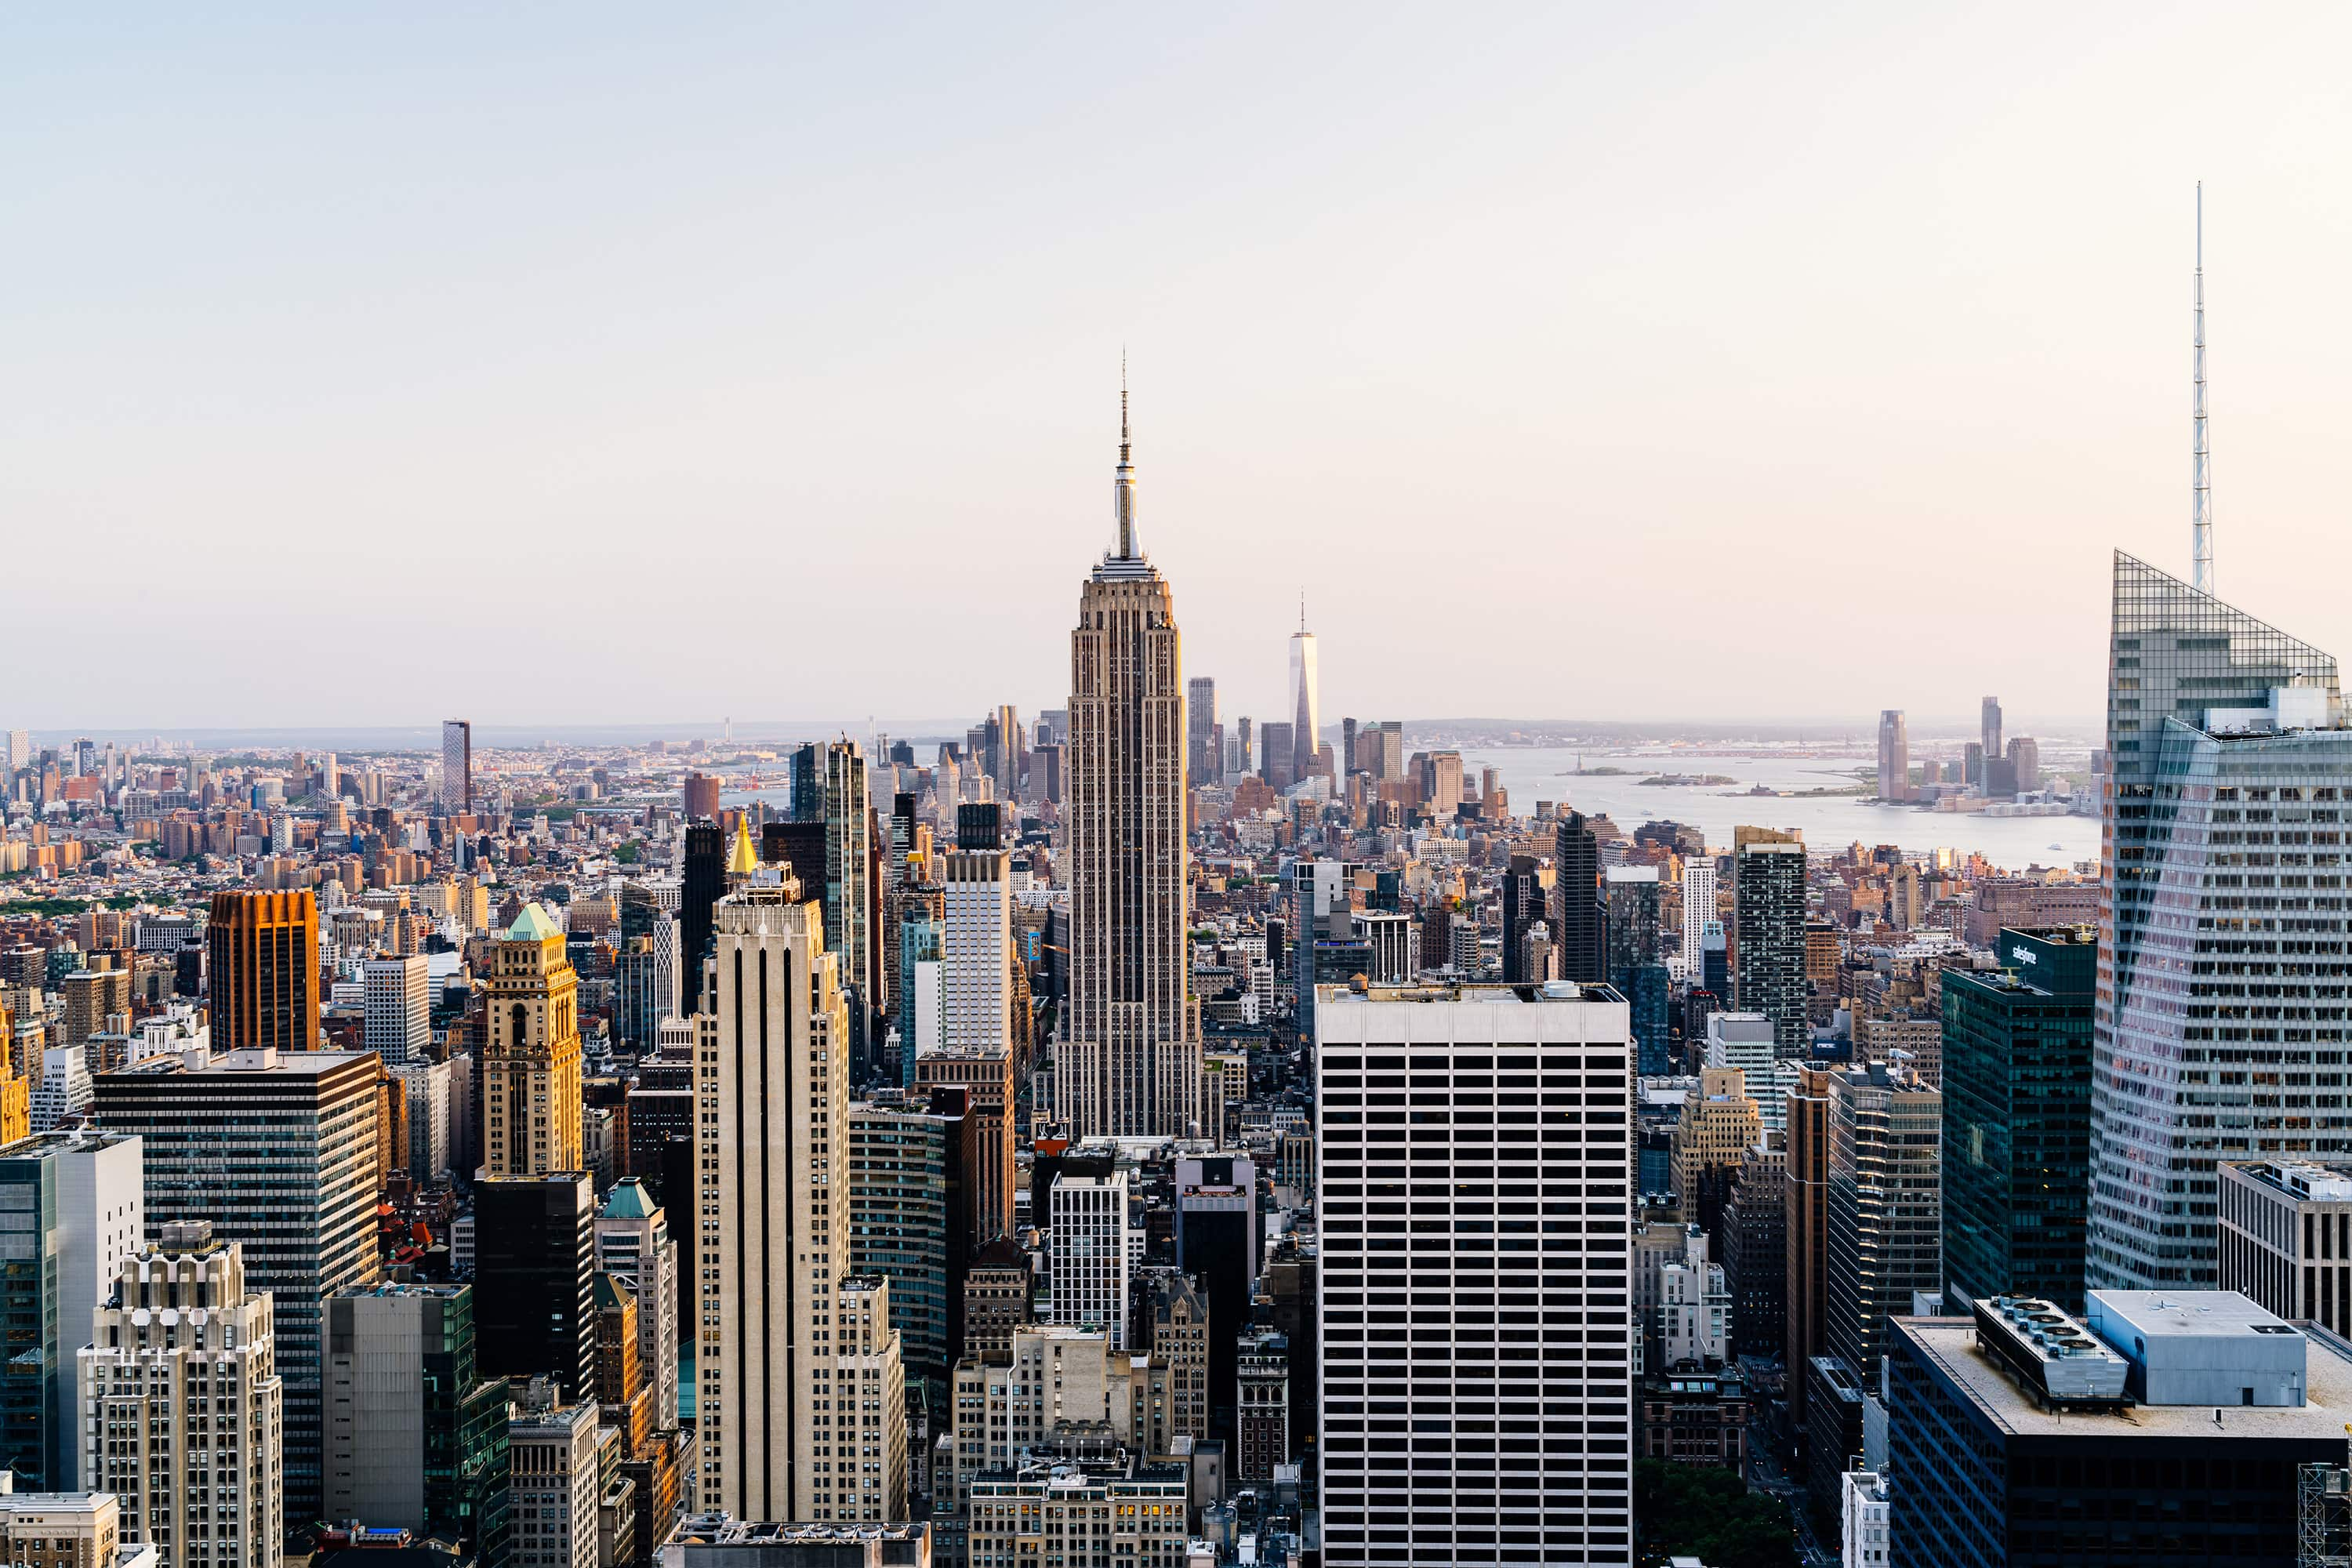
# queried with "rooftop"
point(1472, 991)
point(718, 1529)
point(1949, 1346)
point(2304, 1180)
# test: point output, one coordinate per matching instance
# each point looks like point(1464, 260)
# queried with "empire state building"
point(1130, 1064)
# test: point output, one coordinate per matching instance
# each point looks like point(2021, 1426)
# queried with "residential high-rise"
point(534, 1277)
point(298, 1129)
point(976, 954)
point(1478, 1391)
point(399, 1009)
point(1130, 1061)
point(1086, 1252)
point(1886, 1232)
point(1205, 738)
point(416, 1436)
point(634, 1248)
point(530, 1058)
point(263, 971)
point(772, 1252)
point(1988, 727)
point(456, 765)
point(1579, 929)
point(1698, 908)
point(986, 1142)
point(700, 797)
point(2217, 970)
point(996, 1287)
point(182, 1410)
point(1306, 700)
point(1768, 938)
point(2017, 1119)
point(1893, 757)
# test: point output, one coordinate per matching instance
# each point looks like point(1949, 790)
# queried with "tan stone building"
point(530, 1061)
point(1718, 1126)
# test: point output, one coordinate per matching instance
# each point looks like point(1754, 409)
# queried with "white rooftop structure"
point(2202, 1347)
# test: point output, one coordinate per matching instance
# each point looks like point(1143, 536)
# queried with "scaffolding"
point(2323, 1498)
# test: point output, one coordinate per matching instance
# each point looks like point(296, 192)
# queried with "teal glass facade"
point(2017, 1118)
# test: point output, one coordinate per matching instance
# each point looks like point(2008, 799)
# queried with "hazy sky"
point(567, 364)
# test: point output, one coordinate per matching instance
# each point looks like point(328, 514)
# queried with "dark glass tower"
point(702, 882)
point(2017, 1118)
point(1580, 930)
point(534, 1277)
point(1769, 914)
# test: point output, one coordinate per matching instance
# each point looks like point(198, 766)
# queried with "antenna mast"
point(2200, 506)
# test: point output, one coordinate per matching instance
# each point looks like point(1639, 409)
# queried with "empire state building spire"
point(1124, 489)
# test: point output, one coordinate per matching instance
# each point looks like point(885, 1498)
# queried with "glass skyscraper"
point(2017, 1118)
point(2219, 1029)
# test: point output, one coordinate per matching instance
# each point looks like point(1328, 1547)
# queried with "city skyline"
point(1947, 377)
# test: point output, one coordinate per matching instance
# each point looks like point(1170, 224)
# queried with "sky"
point(598, 364)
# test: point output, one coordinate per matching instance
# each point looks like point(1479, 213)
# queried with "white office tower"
point(976, 952)
point(1087, 1251)
point(1698, 908)
point(633, 1246)
point(102, 1189)
point(398, 998)
point(1478, 1367)
point(66, 1089)
point(775, 1375)
point(183, 1412)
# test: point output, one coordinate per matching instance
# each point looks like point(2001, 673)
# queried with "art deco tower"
point(1130, 1063)
point(530, 1089)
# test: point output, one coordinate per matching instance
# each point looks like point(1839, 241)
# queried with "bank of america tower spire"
point(1128, 1062)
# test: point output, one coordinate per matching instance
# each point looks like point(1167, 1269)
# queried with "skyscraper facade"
point(2017, 1119)
point(299, 1131)
point(1988, 727)
point(976, 952)
point(1131, 1060)
point(456, 765)
point(849, 876)
point(1768, 938)
point(1470, 1395)
point(1698, 909)
point(263, 970)
point(399, 1009)
point(1893, 757)
point(184, 1414)
point(772, 1252)
point(2222, 920)
point(1305, 701)
point(1204, 737)
point(530, 1061)
point(1579, 931)
point(702, 883)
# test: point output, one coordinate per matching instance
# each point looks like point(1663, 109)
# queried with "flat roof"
point(1950, 1344)
point(1558, 991)
point(2187, 1314)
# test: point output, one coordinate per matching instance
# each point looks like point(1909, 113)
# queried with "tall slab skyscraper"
point(2219, 1029)
point(1130, 1063)
point(1305, 703)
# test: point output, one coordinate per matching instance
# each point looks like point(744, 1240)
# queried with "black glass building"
point(2017, 1118)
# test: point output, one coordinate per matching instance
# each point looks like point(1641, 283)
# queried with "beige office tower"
point(1131, 1060)
point(784, 1356)
point(182, 1413)
point(530, 1087)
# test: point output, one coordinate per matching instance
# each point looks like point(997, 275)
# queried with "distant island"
point(1686, 781)
point(1602, 772)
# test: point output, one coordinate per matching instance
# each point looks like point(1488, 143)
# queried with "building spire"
point(2201, 504)
point(1124, 491)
